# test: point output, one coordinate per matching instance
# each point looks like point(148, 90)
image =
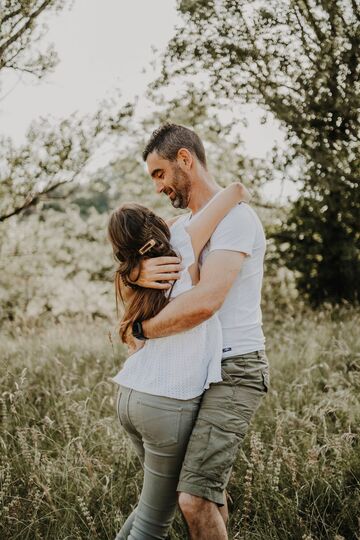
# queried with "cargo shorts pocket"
point(211, 452)
point(159, 424)
point(232, 372)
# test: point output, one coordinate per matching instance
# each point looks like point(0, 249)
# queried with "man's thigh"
point(225, 413)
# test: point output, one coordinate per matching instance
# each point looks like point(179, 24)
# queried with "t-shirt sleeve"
point(181, 242)
point(236, 232)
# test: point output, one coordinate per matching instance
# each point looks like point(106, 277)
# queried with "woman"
point(160, 385)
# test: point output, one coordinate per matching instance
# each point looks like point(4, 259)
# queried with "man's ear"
point(185, 159)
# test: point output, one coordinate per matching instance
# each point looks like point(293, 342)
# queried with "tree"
point(53, 155)
point(299, 60)
point(19, 30)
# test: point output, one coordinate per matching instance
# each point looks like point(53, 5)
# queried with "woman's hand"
point(242, 191)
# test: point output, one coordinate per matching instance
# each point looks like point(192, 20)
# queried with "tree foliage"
point(55, 265)
point(20, 30)
point(54, 154)
point(299, 60)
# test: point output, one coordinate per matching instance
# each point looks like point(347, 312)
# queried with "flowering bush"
point(56, 264)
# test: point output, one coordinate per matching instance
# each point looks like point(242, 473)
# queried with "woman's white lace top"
point(183, 365)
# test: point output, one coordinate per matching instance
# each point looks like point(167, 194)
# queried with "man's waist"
point(240, 324)
point(246, 347)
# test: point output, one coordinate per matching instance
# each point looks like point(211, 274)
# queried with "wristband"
point(137, 330)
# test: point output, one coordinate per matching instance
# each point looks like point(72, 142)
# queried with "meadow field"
point(68, 472)
point(272, 89)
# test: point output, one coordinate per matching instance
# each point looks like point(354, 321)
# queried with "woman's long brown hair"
point(130, 227)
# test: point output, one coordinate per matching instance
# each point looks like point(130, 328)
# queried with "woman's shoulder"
point(176, 220)
point(171, 221)
point(179, 237)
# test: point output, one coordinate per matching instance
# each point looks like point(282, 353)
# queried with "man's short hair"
point(169, 138)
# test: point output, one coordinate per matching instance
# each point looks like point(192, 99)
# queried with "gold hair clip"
point(146, 247)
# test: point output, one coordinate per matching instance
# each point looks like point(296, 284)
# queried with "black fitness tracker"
point(137, 330)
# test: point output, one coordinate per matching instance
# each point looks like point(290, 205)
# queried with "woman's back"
point(183, 365)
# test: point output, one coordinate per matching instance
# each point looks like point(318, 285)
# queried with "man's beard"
point(181, 188)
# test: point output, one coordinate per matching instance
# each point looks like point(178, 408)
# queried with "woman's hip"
point(158, 420)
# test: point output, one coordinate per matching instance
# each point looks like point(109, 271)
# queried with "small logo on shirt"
point(227, 349)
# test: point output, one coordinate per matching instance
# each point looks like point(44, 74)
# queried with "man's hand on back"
point(156, 273)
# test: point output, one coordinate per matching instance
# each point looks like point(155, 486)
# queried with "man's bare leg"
point(224, 511)
point(203, 518)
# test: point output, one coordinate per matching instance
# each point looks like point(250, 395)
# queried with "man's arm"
point(202, 301)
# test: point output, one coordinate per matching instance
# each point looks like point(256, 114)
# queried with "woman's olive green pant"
point(159, 428)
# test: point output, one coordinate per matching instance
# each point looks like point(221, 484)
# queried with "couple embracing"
point(197, 368)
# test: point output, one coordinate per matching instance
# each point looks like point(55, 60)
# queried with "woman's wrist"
point(238, 191)
point(245, 195)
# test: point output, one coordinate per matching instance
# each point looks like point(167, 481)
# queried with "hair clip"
point(146, 247)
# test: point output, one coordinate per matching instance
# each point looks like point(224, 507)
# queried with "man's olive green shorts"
point(224, 416)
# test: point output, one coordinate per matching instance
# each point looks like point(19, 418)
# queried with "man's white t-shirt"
point(240, 315)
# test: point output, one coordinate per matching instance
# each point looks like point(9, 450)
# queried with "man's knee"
point(192, 506)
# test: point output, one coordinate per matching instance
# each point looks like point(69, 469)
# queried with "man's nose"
point(159, 187)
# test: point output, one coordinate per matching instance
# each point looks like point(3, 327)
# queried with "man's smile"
point(170, 193)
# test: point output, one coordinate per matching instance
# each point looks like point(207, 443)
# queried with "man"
point(230, 283)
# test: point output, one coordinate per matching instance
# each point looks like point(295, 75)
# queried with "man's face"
point(170, 179)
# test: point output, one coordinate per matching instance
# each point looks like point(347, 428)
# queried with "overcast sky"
point(103, 46)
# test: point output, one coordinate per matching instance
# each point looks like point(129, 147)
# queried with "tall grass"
point(68, 472)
